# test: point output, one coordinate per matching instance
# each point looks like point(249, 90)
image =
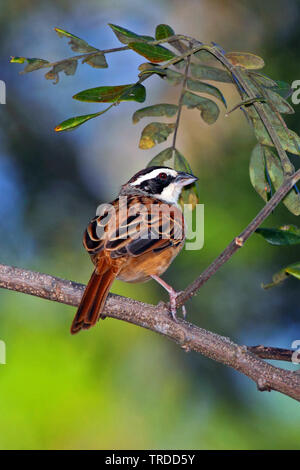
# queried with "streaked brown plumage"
point(121, 244)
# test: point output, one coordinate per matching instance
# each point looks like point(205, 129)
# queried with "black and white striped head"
point(161, 182)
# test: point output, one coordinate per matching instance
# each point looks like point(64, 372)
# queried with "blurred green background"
point(119, 386)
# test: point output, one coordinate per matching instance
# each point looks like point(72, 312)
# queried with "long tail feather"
point(93, 300)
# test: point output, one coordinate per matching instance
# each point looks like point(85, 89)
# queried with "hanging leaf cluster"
point(90, 55)
point(196, 69)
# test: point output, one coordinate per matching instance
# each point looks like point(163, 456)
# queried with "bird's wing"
point(134, 226)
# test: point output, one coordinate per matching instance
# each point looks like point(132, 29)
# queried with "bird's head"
point(161, 182)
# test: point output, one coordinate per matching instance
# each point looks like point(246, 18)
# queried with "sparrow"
point(135, 238)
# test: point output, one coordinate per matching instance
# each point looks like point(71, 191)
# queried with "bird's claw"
point(173, 305)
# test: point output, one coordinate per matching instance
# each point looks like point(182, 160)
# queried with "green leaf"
point(32, 64)
point(18, 60)
point(76, 121)
point(112, 94)
point(191, 193)
point(201, 87)
point(96, 60)
point(155, 133)
point(267, 82)
point(173, 77)
point(147, 68)
point(67, 66)
point(153, 53)
point(209, 110)
point(77, 44)
point(257, 170)
point(279, 102)
point(126, 36)
point(163, 31)
point(292, 200)
point(245, 59)
point(162, 109)
point(161, 158)
point(291, 270)
point(204, 72)
point(205, 57)
point(289, 140)
point(282, 236)
point(282, 88)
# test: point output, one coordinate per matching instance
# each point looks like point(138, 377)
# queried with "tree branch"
point(239, 241)
point(157, 318)
point(275, 354)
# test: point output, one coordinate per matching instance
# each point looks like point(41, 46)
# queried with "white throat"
point(170, 194)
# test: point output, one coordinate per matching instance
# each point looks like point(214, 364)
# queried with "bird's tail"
point(93, 300)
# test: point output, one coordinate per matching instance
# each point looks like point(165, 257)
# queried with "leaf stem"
point(83, 56)
point(180, 104)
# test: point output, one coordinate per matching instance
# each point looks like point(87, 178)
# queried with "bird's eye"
point(162, 176)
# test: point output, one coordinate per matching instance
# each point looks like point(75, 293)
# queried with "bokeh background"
point(119, 386)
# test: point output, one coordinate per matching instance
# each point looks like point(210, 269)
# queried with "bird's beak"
point(185, 178)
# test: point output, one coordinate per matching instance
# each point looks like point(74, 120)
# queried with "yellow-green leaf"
point(245, 59)
point(163, 31)
point(201, 87)
point(67, 66)
point(77, 44)
point(205, 72)
point(155, 133)
point(291, 270)
point(281, 105)
point(289, 140)
point(32, 64)
point(161, 109)
point(112, 94)
point(161, 158)
point(171, 76)
point(72, 123)
point(257, 170)
point(209, 110)
point(191, 193)
point(292, 200)
point(126, 36)
point(96, 60)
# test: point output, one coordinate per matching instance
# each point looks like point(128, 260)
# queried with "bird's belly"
point(140, 268)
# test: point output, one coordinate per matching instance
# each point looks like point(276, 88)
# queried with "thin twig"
point(239, 241)
point(274, 354)
point(80, 56)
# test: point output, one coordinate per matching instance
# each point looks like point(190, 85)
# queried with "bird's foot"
point(173, 297)
point(173, 304)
